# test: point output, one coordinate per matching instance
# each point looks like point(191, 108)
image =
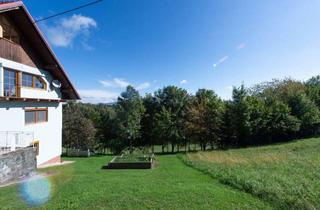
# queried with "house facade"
point(33, 87)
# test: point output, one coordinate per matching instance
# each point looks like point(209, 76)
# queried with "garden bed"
point(131, 162)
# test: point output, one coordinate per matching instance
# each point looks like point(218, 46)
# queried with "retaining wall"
point(17, 165)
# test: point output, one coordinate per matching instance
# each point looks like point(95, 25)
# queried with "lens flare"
point(36, 190)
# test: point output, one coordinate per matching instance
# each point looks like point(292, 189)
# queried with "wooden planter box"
point(130, 165)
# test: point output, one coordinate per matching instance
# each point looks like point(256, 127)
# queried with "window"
point(29, 80)
point(10, 83)
point(7, 30)
point(38, 83)
point(33, 116)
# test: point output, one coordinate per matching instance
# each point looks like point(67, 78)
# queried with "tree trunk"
point(162, 147)
point(131, 150)
point(172, 148)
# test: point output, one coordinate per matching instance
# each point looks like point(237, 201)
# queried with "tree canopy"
point(275, 111)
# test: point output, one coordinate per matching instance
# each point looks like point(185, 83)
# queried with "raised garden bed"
point(131, 162)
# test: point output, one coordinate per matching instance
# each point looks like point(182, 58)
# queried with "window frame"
point(16, 78)
point(9, 28)
point(34, 77)
point(35, 112)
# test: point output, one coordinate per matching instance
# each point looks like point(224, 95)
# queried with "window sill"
point(38, 123)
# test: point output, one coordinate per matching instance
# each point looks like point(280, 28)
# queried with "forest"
point(175, 120)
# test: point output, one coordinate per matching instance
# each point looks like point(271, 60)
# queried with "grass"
point(285, 175)
point(172, 185)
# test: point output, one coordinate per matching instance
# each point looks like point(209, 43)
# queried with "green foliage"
point(313, 90)
point(205, 118)
point(287, 175)
point(107, 128)
point(129, 111)
point(164, 127)
point(78, 131)
point(269, 112)
point(240, 116)
point(281, 125)
point(172, 103)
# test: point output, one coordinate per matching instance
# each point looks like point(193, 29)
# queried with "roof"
point(19, 13)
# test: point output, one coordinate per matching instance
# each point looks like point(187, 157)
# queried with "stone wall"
point(17, 165)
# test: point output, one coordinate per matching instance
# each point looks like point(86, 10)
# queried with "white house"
point(33, 86)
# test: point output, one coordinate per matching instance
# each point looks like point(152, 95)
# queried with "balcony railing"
point(10, 50)
point(14, 140)
point(16, 52)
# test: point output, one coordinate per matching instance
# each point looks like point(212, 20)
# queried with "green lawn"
point(285, 175)
point(172, 185)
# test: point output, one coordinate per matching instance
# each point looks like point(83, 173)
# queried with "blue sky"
point(189, 43)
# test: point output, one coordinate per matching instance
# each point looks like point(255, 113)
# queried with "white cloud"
point(106, 83)
point(221, 61)
point(229, 87)
point(66, 30)
point(98, 96)
point(116, 83)
point(241, 46)
point(143, 86)
point(183, 81)
point(121, 82)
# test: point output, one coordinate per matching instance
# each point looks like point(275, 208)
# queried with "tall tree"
point(205, 118)
point(78, 132)
point(281, 124)
point(165, 128)
point(174, 99)
point(129, 111)
point(313, 89)
point(149, 138)
point(240, 116)
point(107, 129)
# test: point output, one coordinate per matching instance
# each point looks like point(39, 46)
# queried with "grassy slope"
point(286, 175)
point(172, 185)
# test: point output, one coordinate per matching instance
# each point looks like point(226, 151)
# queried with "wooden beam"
point(30, 99)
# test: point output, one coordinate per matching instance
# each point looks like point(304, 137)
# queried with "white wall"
point(1, 79)
point(49, 134)
point(50, 93)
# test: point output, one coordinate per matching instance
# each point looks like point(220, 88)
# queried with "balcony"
point(16, 52)
point(14, 140)
point(10, 50)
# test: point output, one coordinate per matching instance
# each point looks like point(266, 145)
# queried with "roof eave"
point(16, 5)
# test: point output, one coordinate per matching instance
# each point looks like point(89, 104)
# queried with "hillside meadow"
point(286, 175)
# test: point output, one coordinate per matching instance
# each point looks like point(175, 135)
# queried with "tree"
point(205, 118)
point(175, 100)
point(313, 89)
point(281, 125)
point(307, 112)
point(240, 116)
point(149, 138)
point(78, 132)
point(129, 111)
point(258, 120)
point(165, 128)
point(107, 130)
